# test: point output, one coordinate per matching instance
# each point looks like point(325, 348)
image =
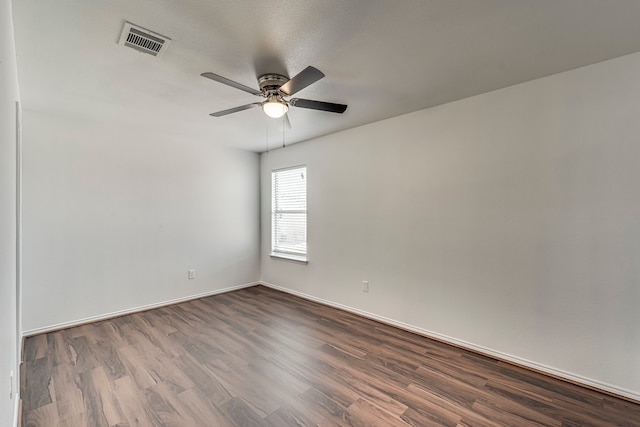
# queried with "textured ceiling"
point(383, 58)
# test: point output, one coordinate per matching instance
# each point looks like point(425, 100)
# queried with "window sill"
point(302, 259)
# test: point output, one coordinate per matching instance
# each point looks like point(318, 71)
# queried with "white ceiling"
point(383, 58)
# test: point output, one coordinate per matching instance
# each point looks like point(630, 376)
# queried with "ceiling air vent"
point(143, 40)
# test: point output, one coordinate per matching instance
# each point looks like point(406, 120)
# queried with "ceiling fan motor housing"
point(271, 82)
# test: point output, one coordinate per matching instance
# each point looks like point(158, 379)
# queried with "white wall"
point(8, 299)
point(509, 221)
point(114, 217)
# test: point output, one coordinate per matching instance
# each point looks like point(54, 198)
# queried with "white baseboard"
point(558, 373)
point(16, 410)
point(132, 310)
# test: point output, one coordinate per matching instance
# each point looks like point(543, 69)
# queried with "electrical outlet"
point(365, 286)
point(191, 274)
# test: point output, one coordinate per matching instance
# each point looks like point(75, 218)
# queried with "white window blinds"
point(289, 213)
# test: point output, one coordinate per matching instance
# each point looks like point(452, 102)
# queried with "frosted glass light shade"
point(275, 108)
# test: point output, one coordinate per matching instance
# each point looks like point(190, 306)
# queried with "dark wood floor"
point(258, 357)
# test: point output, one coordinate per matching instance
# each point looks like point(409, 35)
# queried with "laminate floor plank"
point(204, 379)
point(68, 395)
point(35, 348)
point(38, 389)
point(321, 405)
point(59, 349)
point(241, 414)
point(44, 416)
point(133, 404)
point(259, 357)
point(373, 415)
point(79, 420)
point(207, 412)
point(287, 416)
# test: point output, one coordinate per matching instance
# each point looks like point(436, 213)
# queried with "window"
point(289, 213)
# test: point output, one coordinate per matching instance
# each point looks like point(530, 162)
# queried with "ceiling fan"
point(274, 88)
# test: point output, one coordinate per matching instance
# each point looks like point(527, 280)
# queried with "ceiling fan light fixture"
point(275, 107)
point(274, 87)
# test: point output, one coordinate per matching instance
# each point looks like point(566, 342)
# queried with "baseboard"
point(17, 412)
point(518, 361)
point(79, 322)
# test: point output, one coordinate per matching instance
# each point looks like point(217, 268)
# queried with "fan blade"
point(318, 105)
point(231, 83)
point(235, 109)
point(303, 79)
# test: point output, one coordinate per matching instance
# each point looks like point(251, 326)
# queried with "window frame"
point(297, 256)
